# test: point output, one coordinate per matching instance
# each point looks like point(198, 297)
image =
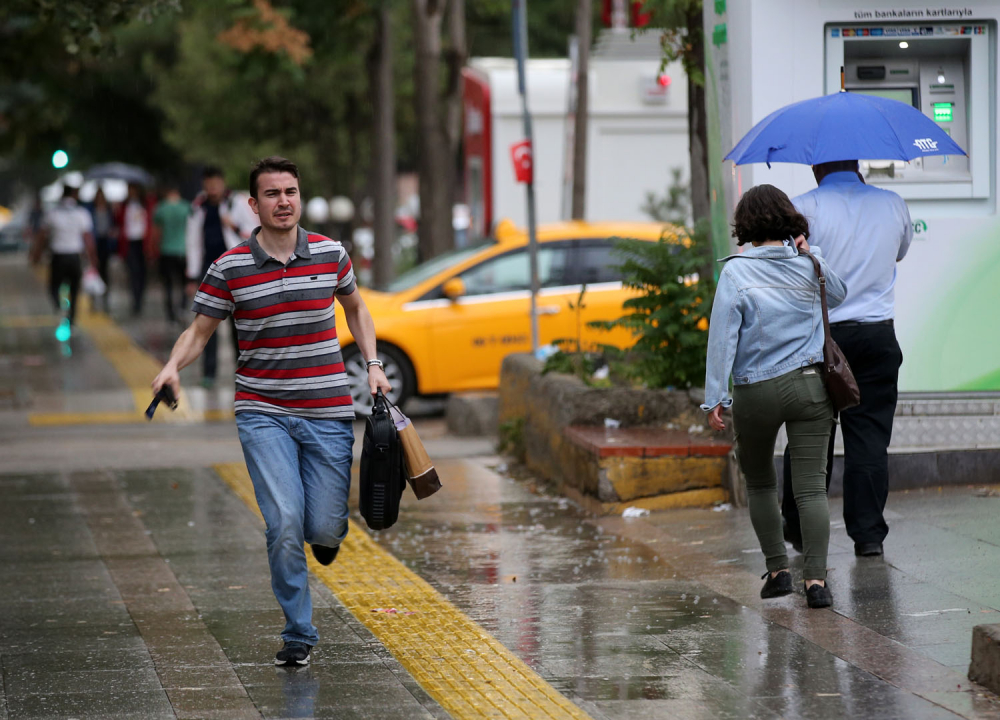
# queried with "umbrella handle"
point(771, 150)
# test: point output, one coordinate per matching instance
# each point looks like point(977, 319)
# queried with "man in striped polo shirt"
point(293, 403)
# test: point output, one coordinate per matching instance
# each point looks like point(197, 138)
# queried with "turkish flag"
point(521, 155)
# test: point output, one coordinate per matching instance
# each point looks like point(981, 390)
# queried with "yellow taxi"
point(446, 325)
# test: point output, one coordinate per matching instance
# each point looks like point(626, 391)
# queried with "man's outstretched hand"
point(168, 376)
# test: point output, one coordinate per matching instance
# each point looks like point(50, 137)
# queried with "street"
point(137, 583)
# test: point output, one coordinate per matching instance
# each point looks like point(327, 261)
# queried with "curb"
point(985, 666)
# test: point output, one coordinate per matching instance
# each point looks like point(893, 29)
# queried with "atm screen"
point(904, 95)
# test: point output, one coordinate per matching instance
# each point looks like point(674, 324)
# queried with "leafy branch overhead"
point(269, 30)
point(682, 35)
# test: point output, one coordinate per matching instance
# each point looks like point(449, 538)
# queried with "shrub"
point(670, 315)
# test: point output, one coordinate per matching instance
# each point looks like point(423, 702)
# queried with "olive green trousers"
point(798, 400)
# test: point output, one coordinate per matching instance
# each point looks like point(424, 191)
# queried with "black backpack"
point(383, 474)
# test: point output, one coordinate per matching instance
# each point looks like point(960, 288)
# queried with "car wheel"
point(398, 371)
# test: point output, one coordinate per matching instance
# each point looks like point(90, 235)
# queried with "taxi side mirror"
point(453, 289)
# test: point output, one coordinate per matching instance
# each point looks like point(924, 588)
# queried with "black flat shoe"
point(872, 549)
point(819, 596)
point(776, 586)
point(325, 555)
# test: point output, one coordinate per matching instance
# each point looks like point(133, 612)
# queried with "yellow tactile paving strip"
point(137, 369)
point(459, 664)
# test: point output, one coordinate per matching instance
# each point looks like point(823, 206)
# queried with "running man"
point(293, 402)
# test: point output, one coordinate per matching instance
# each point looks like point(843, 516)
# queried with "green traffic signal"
point(60, 159)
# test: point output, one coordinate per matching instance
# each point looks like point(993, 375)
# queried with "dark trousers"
point(136, 261)
point(65, 268)
point(172, 273)
point(105, 248)
point(875, 357)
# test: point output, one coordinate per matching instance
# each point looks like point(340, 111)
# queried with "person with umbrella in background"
point(864, 231)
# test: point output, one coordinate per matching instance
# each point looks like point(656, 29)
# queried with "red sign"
point(520, 153)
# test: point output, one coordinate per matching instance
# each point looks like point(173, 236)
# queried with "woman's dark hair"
point(766, 213)
point(273, 164)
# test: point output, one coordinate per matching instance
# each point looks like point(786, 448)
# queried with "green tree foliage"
point(245, 85)
point(670, 315)
point(550, 23)
point(50, 52)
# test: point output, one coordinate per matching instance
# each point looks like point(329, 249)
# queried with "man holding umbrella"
point(864, 231)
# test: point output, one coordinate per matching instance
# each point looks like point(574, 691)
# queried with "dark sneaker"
point(868, 549)
point(325, 555)
point(819, 596)
point(294, 653)
point(776, 586)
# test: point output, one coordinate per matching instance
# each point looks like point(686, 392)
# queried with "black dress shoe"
point(325, 555)
point(791, 537)
point(819, 596)
point(873, 549)
point(776, 585)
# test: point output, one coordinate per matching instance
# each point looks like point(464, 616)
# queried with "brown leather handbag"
point(837, 374)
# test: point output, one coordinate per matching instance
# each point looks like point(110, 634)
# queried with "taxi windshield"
point(427, 270)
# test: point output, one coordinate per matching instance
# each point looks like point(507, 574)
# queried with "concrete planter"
point(561, 423)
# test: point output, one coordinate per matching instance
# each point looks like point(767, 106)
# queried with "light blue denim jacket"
point(766, 318)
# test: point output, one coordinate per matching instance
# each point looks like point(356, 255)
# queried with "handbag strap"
point(827, 338)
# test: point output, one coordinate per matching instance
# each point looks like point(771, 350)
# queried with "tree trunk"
point(383, 148)
point(582, 112)
point(455, 58)
point(698, 131)
point(434, 163)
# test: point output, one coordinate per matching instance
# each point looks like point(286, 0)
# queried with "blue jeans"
point(301, 472)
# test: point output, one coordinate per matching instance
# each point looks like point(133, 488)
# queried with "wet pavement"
point(136, 583)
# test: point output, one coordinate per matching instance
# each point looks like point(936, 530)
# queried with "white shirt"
point(135, 220)
point(66, 224)
point(864, 231)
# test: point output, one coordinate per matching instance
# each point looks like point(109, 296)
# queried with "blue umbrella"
point(843, 126)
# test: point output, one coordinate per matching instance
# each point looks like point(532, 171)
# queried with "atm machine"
point(766, 54)
point(938, 70)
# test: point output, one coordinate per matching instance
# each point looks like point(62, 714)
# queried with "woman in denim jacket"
point(767, 332)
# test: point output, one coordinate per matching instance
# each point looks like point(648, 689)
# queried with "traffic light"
point(60, 159)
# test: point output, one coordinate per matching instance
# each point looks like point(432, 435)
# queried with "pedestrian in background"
point(170, 223)
point(294, 412)
point(135, 227)
point(767, 333)
point(104, 240)
point(67, 230)
point(213, 227)
point(864, 232)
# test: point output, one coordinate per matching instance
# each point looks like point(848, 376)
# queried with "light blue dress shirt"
point(864, 231)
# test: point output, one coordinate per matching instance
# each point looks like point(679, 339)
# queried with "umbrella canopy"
point(119, 171)
point(843, 126)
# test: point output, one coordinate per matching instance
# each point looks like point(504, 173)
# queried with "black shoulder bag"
point(837, 374)
point(382, 473)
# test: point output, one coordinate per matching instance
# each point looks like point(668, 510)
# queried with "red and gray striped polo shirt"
point(290, 361)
